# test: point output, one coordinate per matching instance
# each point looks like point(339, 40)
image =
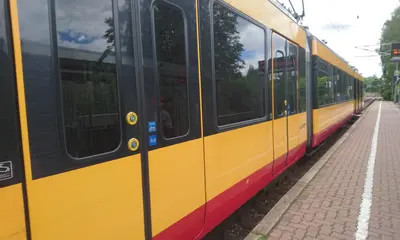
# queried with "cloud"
point(97, 45)
point(80, 24)
point(253, 39)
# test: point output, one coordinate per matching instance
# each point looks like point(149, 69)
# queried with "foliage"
point(324, 88)
point(373, 84)
point(227, 40)
point(390, 33)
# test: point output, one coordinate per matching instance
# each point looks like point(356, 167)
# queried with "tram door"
point(80, 130)
point(357, 95)
point(286, 134)
point(280, 122)
point(172, 104)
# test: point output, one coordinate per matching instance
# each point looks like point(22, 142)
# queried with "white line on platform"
point(365, 206)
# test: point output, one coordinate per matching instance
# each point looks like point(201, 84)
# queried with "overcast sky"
point(336, 22)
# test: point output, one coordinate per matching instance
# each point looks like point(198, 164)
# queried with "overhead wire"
point(333, 25)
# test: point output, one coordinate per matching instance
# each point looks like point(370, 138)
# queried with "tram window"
point(172, 71)
point(337, 83)
point(331, 92)
point(324, 84)
point(291, 66)
point(346, 87)
point(88, 78)
point(279, 74)
point(239, 46)
point(351, 88)
point(342, 86)
point(302, 80)
point(344, 93)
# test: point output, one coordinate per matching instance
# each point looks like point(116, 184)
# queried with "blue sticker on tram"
point(152, 126)
point(152, 140)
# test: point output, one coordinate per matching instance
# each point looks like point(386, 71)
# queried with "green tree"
point(373, 84)
point(390, 33)
point(228, 48)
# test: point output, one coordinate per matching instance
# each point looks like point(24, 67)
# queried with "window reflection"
point(292, 78)
point(239, 53)
point(331, 85)
point(351, 88)
point(171, 63)
point(337, 79)
point(86, 52)
point(324, 84)
point(285, 76)
point(279, 73)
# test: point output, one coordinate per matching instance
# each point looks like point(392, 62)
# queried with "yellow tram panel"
point(280, 137)
point(176, 183)
point(12, 220)
point(302, 120)
point(104, 200)
point(233, 155)
point(296, 130)
point(328, 116)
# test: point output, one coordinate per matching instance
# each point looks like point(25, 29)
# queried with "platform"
point(336, 203)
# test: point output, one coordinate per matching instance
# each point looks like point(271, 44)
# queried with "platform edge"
point(274, 215)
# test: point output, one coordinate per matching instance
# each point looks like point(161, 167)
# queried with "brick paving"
point(385, 209)
point(329, 206)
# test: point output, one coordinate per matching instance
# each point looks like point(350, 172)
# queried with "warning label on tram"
point(6, 171)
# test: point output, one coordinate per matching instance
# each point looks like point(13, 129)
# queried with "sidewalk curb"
point(274, 215)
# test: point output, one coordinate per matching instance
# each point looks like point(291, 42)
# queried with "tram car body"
point(126, 119)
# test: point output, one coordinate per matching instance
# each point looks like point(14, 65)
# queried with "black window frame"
point(302, 65)
point(266, 111)
point(296, 91)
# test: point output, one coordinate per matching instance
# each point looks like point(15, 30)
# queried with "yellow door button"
point(131, 118)
point(133, 144)
point(285, 112)
point(285, 103)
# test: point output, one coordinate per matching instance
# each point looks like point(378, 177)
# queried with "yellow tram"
point(126, 119)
